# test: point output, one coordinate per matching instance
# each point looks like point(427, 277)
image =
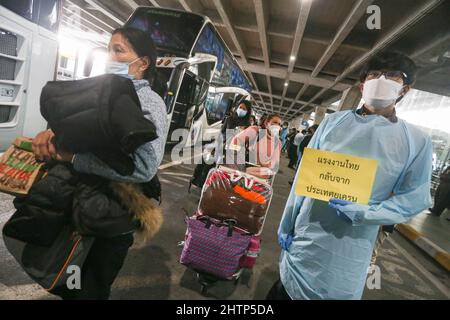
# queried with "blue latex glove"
point(285, 241)
point(336, 204)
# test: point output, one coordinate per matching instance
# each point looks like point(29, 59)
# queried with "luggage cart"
point(208, 280)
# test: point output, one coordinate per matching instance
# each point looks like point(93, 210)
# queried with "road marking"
point(176, 174)
point(171, 183)
point(181, 179)
point(421, 268)
point(433, 250)
point(178, 162)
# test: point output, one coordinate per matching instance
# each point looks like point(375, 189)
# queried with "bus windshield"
point(228, 73)
point(173, 32)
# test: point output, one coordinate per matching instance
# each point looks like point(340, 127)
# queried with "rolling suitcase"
point(231, 194)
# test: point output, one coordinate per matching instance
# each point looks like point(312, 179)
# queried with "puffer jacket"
point(94, 206)
point(101, 115)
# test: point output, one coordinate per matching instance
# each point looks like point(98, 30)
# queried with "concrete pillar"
point(295, 123)
point(320, 114)
point(306, 116)
point(350, 99)
point(298, 122)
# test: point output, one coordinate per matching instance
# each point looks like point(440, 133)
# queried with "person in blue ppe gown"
point(327, 246)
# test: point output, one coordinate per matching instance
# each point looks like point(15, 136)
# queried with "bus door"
point(191, 95)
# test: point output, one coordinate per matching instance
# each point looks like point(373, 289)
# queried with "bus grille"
point(7, 68)
point(8, 43)
point(5, 112)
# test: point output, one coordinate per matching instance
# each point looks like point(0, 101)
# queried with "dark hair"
point(314, 127)
point(271, 116)
point(245, 121)
point(262, 121)
point(394, 61)
point(247, 104)
point(144, 46)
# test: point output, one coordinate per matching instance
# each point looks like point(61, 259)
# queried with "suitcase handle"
point(231, 223)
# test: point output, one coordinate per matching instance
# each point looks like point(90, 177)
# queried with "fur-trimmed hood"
point(143, 208)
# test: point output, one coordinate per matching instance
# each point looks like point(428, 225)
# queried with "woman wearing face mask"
point(236, 122)
point(239, 119)
point(132, 55)
point(327, 247)
point(264, 146)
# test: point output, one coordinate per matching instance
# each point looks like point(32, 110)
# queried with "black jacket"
point(305, 143)
point(101, 115)
point(66, 197)
point(233, 121)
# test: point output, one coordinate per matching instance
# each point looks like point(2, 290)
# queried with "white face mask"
point(120, 68)
point(241, 113)
point(274, 130)
point(381, 93)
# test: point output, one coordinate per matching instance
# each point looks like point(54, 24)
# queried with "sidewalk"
point(431, 234)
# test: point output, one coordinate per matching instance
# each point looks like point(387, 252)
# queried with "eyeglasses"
point(391, 75)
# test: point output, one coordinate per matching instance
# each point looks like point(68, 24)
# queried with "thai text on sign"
point(324, 175)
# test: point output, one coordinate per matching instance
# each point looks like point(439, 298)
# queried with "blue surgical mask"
point(241, 113)
point(120, 68)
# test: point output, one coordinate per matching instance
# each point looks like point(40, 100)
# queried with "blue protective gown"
point(330, 255)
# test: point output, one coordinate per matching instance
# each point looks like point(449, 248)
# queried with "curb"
point(437, 253)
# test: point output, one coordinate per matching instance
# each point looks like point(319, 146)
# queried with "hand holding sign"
point(325, 175)
point(336, 203)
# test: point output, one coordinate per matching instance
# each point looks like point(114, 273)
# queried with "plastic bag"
point(231, 194)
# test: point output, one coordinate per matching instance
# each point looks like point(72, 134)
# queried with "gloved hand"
point(334, 202)
point(337, 204)
point(285, 240)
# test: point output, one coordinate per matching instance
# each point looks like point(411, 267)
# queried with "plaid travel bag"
point(214, 248)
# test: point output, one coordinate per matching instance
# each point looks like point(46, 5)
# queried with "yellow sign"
point(324, 175)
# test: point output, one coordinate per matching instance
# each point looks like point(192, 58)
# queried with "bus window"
point(173, 32)
point(48, 14)
point(43, 12)
point(227, 73)
point(23, 8)
point(217, 105)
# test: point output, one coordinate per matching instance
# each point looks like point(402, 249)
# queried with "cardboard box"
point(19, 169)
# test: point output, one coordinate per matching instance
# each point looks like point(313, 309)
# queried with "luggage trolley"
point(238, 189)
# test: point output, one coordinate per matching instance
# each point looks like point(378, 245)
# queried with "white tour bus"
point(204, 80)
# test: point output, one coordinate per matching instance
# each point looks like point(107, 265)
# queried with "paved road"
point(153, 272)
